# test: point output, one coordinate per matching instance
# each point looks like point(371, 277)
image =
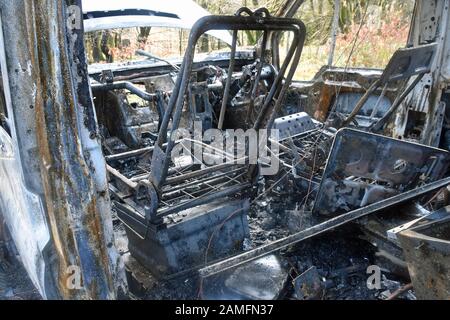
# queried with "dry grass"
point(373, 48)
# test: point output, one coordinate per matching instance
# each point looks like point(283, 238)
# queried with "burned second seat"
point(371, 111)
point(182, 210)
point(307, 145)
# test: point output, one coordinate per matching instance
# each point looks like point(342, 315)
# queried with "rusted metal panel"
point(20, 192)
point(69, 171)
point(430, 24)
point(427, 253)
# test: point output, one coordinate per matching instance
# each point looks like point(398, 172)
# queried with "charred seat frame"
point(151, 186)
